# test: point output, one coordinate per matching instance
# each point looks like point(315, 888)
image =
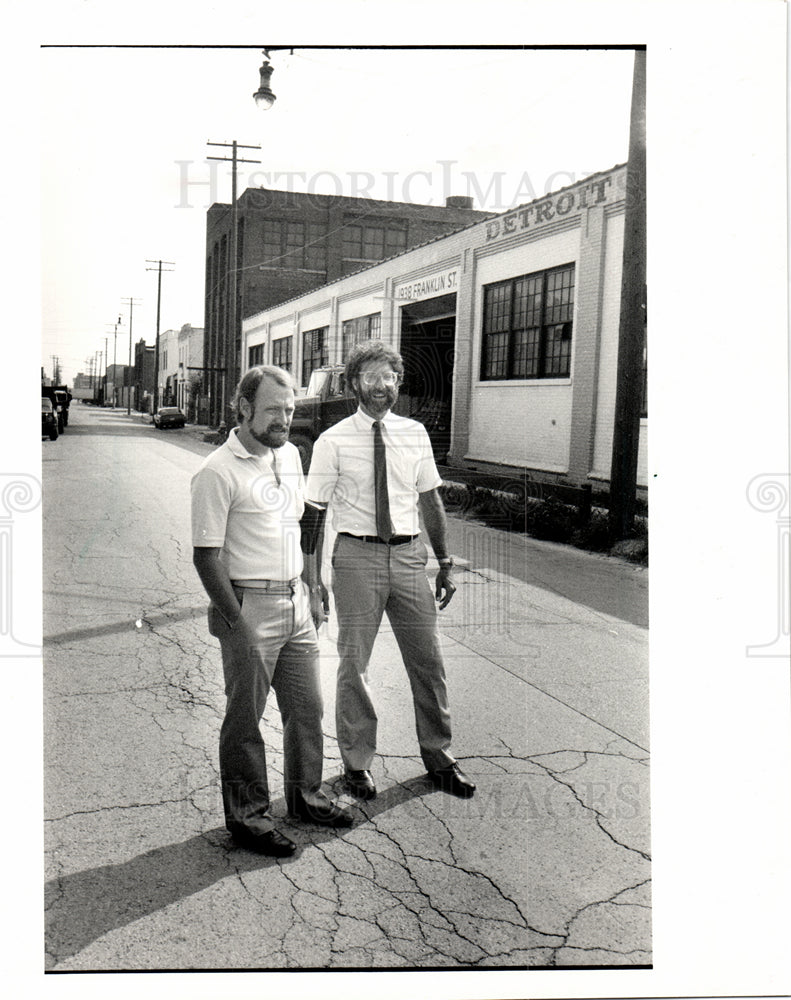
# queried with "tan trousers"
point(369, 579)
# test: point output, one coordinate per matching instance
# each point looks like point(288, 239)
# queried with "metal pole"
point(106, 356)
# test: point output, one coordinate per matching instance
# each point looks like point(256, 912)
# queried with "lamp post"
point(131, 302)
point(115, 367)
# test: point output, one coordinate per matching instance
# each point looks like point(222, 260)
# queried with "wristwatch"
point(446, 562)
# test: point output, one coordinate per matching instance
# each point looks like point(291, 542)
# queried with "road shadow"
point(81, 907)
point(147, 622)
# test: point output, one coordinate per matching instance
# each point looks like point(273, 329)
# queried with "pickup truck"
point(327, 400)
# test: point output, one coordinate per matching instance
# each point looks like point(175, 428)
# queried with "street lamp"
point(264, 97)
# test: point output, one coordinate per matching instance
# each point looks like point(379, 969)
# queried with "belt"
point(269, 586)
point(395, 539)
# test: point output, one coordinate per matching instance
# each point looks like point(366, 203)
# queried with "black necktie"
point(384, 526)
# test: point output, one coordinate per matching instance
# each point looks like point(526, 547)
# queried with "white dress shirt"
point(342, 473)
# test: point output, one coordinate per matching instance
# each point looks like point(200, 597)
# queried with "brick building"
point(289, 243)
point(145, 359)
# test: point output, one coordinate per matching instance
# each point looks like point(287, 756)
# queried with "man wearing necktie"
point(376, 470)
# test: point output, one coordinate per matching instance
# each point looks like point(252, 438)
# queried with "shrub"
point(550, 519)
point(595, 535)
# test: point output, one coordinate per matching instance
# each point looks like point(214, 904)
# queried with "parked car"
point(169, 416)
point(49, 420)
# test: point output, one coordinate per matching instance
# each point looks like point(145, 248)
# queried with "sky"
point(125, 178)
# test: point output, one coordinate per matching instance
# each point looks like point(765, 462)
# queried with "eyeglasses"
point(371, 378)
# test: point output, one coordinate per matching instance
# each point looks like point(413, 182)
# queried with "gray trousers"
point(369, 579)
point(273, 644)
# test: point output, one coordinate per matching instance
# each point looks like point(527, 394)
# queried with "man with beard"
point(376, 470)
point(247, 501)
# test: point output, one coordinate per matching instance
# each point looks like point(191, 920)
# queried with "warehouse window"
point(271, 246)
point(281, 352)
point(527, 326)
point(364, 243)
point(314, 351)
point(361, 328)
point(255, 356)
point(300, 245)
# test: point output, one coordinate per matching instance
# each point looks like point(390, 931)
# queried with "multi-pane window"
point(316, 247)
point(362, 328)
point(281, 352)
point(527, 326)
point(372, 242)
point(294, 244)
point(272, 244)
point(255, 356)
point(314, 351)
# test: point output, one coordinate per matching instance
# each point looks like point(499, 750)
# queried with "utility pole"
point(106, 356)
point(172, 267)
point(231, 375)
point(131, 303)
point(631, 335)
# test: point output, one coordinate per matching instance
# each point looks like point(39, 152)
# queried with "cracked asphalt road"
point(549, 864)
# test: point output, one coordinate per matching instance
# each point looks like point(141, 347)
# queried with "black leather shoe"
point(453, 780)
point(325, 813)
point(271, 843)
point(360, 784)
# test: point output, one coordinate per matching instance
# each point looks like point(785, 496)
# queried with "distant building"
point(144, 376)
point(118, 382)
point(289, 243)
point(168, 367)
point(190, 375)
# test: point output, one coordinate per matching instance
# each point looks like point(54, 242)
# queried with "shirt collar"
point(236, 446)
point(369, 421)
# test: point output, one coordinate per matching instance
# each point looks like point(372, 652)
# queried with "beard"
point(385, 402)
point(273, 437)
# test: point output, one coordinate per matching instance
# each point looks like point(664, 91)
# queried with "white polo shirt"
point(342, 472)
point(238, 507)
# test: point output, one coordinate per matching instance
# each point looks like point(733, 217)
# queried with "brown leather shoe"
point(453, 780)
point(360, 784)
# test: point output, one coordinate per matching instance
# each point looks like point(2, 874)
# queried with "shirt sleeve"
point(211, 501)
point(428, 478)
point(323, 473)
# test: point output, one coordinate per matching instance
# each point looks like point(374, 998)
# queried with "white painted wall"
point(526, 424)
